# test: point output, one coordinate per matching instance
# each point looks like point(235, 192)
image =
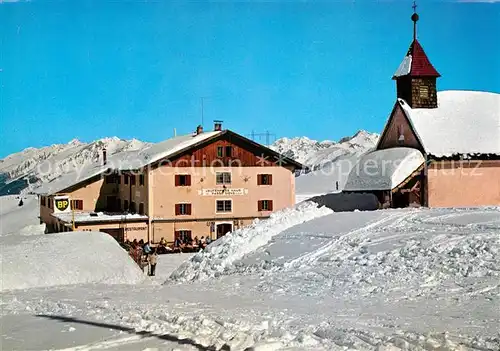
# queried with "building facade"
point(206, 184)
point(438, 149)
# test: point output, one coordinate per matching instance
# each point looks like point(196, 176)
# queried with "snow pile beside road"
point(223, 253)
point(62, 259)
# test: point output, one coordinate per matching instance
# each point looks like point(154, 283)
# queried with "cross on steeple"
point(414, 18)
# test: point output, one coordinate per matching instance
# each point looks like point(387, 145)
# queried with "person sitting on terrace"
point(163, 242)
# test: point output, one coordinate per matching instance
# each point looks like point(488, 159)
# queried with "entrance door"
point(117, 233)
point(223, 229)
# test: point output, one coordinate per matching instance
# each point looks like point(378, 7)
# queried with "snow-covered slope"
point(33, 167)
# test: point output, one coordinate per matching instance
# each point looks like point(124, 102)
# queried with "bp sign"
point(61, 204)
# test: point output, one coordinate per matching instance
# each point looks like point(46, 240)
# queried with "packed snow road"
point(383, 280)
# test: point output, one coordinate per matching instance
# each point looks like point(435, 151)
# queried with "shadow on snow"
point(143, 334)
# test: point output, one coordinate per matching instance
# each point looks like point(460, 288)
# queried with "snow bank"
point(66, 258)
point(223, 253)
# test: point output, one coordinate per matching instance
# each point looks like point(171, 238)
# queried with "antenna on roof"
point(203, 108)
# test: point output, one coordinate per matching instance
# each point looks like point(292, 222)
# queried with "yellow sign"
point(61, 204)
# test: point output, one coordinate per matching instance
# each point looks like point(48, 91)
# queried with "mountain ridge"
point(28, 169)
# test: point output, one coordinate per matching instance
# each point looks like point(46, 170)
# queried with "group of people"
point(144, 255)
point(187, 243)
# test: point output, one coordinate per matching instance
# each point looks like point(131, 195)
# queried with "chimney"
point(104, 157)
point(217, 126)
point(199, 129)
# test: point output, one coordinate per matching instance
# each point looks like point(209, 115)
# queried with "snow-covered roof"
point(416, 63)
point(86, 217)
point(164, 149)
point(404, 68)
point(384, 169)
point(465, 122)
point(126, 160)
point(69, 179)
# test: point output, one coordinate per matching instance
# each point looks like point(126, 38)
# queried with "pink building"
point(202, 184)
point(438, 149)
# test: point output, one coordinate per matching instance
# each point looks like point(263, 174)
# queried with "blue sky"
point(90, 69)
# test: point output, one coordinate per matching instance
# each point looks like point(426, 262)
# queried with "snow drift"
point(63, 259)
point(223, 253)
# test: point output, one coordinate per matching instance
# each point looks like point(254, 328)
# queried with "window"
point(183, 235)
point(224, 205)
point(182, 180)
point(265, 205)
point(229, 151)
point(111, 179)
point(42, 200)
point(141, 179)
point(125, 179)
point(424, 92)
point(132, 180)
point(132, 207)
point(77, 204)
point(264, 179)
point(401, 135)
point(220, 151)
point(222, 178)
point(125, 205)
point(141, 208)
point(182, 209)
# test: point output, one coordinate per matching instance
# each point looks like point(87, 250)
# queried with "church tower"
point(415, 76)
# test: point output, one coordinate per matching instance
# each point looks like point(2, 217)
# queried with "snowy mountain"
point(317, 154)
point(330, 161)
point(35, 166)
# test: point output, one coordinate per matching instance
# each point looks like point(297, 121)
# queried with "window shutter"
point(177, 233)
point(177, 209)
point(259, 180)
point(177, 180)
point(259, 205)
point(270, 180)
point(270, 205)
point(188, 179)
point(188, 209)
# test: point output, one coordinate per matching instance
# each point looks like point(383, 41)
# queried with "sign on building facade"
point(61, 204)
point(223, 191)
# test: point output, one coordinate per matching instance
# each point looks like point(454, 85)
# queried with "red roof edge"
point(420, 64)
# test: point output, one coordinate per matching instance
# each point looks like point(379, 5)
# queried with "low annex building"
point(202, 184)
point(438, 149)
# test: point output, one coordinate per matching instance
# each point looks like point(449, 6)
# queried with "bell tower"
point(416, 77)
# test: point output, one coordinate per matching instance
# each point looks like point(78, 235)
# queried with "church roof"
point(384, 169)
point(416, 63)
point(464, 123)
